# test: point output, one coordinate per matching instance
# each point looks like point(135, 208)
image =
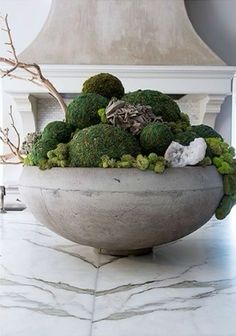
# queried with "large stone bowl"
point(122, 211)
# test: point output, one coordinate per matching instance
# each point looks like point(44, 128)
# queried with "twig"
point(14, 127)
point(4, 159)
point(10, 39)
point(14, 148)
point(32, 69)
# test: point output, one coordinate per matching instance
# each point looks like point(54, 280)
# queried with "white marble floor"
point(53, 287)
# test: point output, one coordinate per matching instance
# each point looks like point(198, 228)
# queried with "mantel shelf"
point(168, 79)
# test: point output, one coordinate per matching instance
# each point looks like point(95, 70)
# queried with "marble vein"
point(132, 313)
point(50, 286)
point(47, 310)
point(75, 255)
point(59, 285)
point(7, 282)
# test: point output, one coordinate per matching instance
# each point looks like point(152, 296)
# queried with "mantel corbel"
point(26, 106)
point(202, 109)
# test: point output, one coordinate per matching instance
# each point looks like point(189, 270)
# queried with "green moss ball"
point(162, 105)
point(40, 149)
point(156, 137)
point(105, 85)
point(185, 138)
point(57, 130)
point(82, 111)
point(205, 131)
point(90, 144)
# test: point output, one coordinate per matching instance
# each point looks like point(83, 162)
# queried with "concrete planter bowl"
point(122, 211)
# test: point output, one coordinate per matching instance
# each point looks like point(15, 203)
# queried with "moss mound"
point(40, 149)
point(82, 111)
point(90, 144)
point(156, 137)
point(162, 105)
point(57, 130)
point(105, 85)
point(185, 138)
point(205, 131)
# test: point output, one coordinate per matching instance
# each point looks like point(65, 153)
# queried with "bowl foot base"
point(125, 253)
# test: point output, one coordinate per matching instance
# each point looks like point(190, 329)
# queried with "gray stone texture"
point(131, 32)
point(122, 209)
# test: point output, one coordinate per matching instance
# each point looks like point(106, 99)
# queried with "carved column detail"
point(26, 105)
point(202, 109)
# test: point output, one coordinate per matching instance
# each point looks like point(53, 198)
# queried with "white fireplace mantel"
point(204, 89)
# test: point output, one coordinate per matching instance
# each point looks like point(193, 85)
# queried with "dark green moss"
point(205, 131)
point(105, 85)
point(57, 130)
point(156, 137)
point(224, 207)
point(230, 184)
point(90, 144)
point(83, 110)
point(40, 149)
point(162, 105)
point(185, 138)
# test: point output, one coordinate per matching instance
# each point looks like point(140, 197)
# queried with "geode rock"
point(181, 156)
point(129, 117)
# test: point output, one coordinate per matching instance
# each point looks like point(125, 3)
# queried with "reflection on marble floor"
point(51, 286)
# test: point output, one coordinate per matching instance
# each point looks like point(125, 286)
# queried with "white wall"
point(214, 21)
point(26, 19)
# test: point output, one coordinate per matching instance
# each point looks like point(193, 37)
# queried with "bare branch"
point(10, 163)
point(7, 61)
point(14, 127)
point(7, 72)
point(5, 159)
point(10, 38)
point(5, 139)
point(11, 76)
point(32, 73)
point(32, 69)
point(14, 148)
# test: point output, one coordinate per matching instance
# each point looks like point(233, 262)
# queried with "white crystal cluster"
point(181, 156)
